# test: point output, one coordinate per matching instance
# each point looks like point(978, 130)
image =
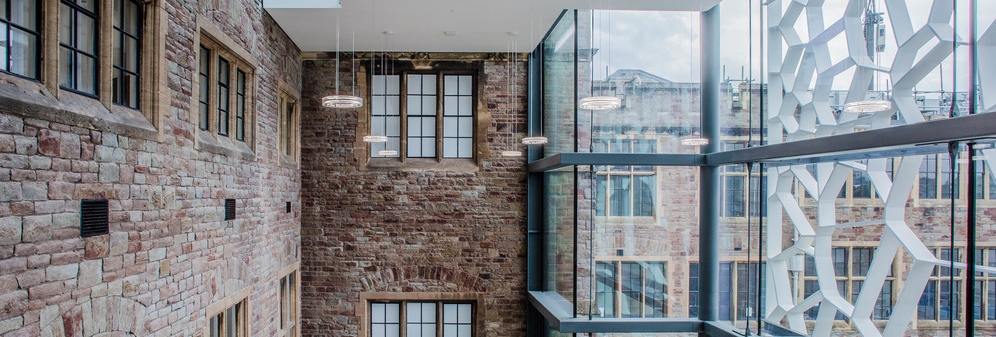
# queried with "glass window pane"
point(86, 34)
point(466, 85)
point(414, 127)
point(23, 13)
point(429, 84)
point(429, 105)
point(450, 148)
point(87, 74)
point(414, 313)
point(466, 127)
point(619, 198)
point(414, 85)
point(378, 85)
point(414, 147)
point(449, 313)
point(465, 104)
point(450, 127)
point(23, 53)
point(450, 107)
point(377, 105)
point(428, 126)
point(466, 148)
point(450, 85)
point(393, 105)
point(67, 78)
point(393, 84)
point(450, 331)
point(429, 147)
point(66, 24)
point(394, 126)
point(414, 106)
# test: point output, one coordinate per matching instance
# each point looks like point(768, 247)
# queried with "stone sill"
point(30, 99)
point(422, 164)
point(288, 162)
point(224, 146)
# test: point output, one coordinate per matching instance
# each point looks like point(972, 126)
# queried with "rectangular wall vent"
point(229, 209)
point(93, 218)
point(288, 207)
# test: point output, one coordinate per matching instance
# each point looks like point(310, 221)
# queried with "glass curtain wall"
point(820, 234)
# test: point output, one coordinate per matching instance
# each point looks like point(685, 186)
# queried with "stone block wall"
point(169, 253)
point(395, 230)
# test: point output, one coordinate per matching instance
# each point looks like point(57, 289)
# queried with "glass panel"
point(23, 13)
point(86, 28)
point(23, 53)
point(449, 127)
point(466, 85)
point(86, 74)
point(466, 127)
point(450, 85)
point(429, 84)
point(414, 147)
point(429, 105)
point(450, 149)
point(450, 107)
point(466, 148)
point(393, 84)
point(414, 85)
point(558, 81)
point(465, 106)
point(414, 105)
point(429, 147)
point(619, 197)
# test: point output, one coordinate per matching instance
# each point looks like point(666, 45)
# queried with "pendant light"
point(510, 74)
point(336, 100)
point(376, 138)
point(532, 140)
point(599, 103)
point(875, 105)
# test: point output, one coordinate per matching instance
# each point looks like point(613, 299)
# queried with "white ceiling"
point(421, 26)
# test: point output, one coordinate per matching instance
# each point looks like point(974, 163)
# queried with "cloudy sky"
point(666, 43)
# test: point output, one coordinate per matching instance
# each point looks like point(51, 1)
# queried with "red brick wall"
point(386, 230)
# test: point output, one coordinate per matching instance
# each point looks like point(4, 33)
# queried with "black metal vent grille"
point(229, 209)
point(93, 218)
point(288, 207)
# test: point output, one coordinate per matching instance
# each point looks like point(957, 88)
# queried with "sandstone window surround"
point(289, 107)
point(625, 192)
point(225, 89)
point(432, 116)
point(420, 314)
point(850, 266)
point(85, 62)
point(229, 317)
point(290, 307)
point(631, 289)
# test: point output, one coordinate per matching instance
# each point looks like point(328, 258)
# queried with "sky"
point(667, 43)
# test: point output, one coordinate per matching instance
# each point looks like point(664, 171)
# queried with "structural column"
point(709, 175)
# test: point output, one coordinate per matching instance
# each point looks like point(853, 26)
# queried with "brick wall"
point(169, 254)
point(389, 230)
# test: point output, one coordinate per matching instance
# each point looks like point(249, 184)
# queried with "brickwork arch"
point(102, 316)
point(421, 278)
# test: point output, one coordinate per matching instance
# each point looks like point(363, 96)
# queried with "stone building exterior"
point(169, 261)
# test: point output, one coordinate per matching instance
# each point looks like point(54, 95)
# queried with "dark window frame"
point(120, 35)
point(75, 49)
point(36, 32)
point(439, 116)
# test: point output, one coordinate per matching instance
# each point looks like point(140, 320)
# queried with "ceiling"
point(438, 25)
